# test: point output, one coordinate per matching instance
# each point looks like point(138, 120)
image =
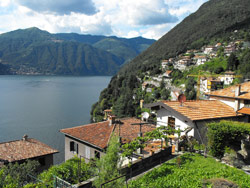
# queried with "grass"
point(194, 170)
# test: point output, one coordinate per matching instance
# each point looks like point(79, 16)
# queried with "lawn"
point(192, 172)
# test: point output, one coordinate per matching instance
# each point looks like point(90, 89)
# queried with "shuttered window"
point(171, 122)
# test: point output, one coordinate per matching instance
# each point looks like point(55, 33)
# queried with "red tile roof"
point(230, 92)
point(98, 134)
point(202, 109)
point(24, 149)
point(244, 111)
point(129, 132)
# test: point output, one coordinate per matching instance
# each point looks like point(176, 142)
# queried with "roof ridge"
point(14, 141)
point(90, 124)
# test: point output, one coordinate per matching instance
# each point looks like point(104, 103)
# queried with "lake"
point(40, 106)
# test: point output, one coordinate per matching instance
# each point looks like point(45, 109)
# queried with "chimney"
point(237, 90)
point(25, 137)
point(111, 119)
point(237, 94)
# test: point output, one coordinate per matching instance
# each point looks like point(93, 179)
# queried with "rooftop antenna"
point(181, 99)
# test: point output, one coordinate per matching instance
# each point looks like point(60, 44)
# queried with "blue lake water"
point(40, 106)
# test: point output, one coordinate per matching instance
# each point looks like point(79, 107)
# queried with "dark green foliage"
point(233, 62)
point(244, 66)
point(194, 171)
point(165, 94)
point(190, 92)
point(16, 175)
point(109, 165)
point(37, 51)
point(67, 171)
point(219, 134)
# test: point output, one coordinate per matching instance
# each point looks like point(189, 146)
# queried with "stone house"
point(91, 140)
point(27, 148)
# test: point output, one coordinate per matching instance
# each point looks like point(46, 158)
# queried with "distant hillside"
point(214, 19)
point(33, 51)
point(124, 48)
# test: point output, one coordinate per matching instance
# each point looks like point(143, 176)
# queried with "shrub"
point(225, 133)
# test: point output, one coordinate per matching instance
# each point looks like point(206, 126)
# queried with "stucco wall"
point(162, 120)
point(229, 102)
point(82, 150)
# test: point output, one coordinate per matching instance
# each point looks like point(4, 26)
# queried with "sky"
point(123, 18)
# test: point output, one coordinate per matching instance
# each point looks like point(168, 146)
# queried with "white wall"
point(162, 120)
point(83, 150)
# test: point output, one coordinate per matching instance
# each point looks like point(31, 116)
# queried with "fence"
point(60, 183)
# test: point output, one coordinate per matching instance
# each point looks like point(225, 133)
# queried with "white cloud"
point(123, 18)
point(60, 6)
point(4, 3)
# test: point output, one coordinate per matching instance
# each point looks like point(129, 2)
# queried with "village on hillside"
point(165, 129)
point(194, 58)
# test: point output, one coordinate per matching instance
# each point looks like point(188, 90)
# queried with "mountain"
point(124, 48)
point(34, 51)
point(214, 19)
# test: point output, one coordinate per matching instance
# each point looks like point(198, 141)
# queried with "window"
point(97, 154)
point(171, 122)
point(74, 147)
point(42, 161)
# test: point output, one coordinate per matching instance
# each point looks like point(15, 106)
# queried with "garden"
point(192, 170)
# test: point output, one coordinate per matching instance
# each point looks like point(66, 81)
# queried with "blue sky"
point(122, 18)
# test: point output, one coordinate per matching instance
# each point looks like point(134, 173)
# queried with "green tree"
point(233, 62)
point(108, 166)
point(165, 94)
point(15, 175)
point(190, 92)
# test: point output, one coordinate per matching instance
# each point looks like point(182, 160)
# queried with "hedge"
point(225, 133)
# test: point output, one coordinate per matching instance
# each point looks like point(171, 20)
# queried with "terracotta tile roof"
point(98, 134)
point(244, 111)
point(129, 132)
point(202, 109)
point(24, 149)
point(230, 92)
point(168, 71)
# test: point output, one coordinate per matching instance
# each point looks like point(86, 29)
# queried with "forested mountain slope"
point(214, 19)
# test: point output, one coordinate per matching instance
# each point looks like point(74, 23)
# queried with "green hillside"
point(215, 20)
point(33, 51)
point(124, 48)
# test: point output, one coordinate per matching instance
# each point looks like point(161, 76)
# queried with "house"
point(164, 64)
point(210, 84)
point(91, 140)
point(228, 77)
point(237, 97)
point(229, 49)
point(167, 74)
point(183, 62)
point(193, 115)
point(27, 148)
point(200, 59)
point(209, 49)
